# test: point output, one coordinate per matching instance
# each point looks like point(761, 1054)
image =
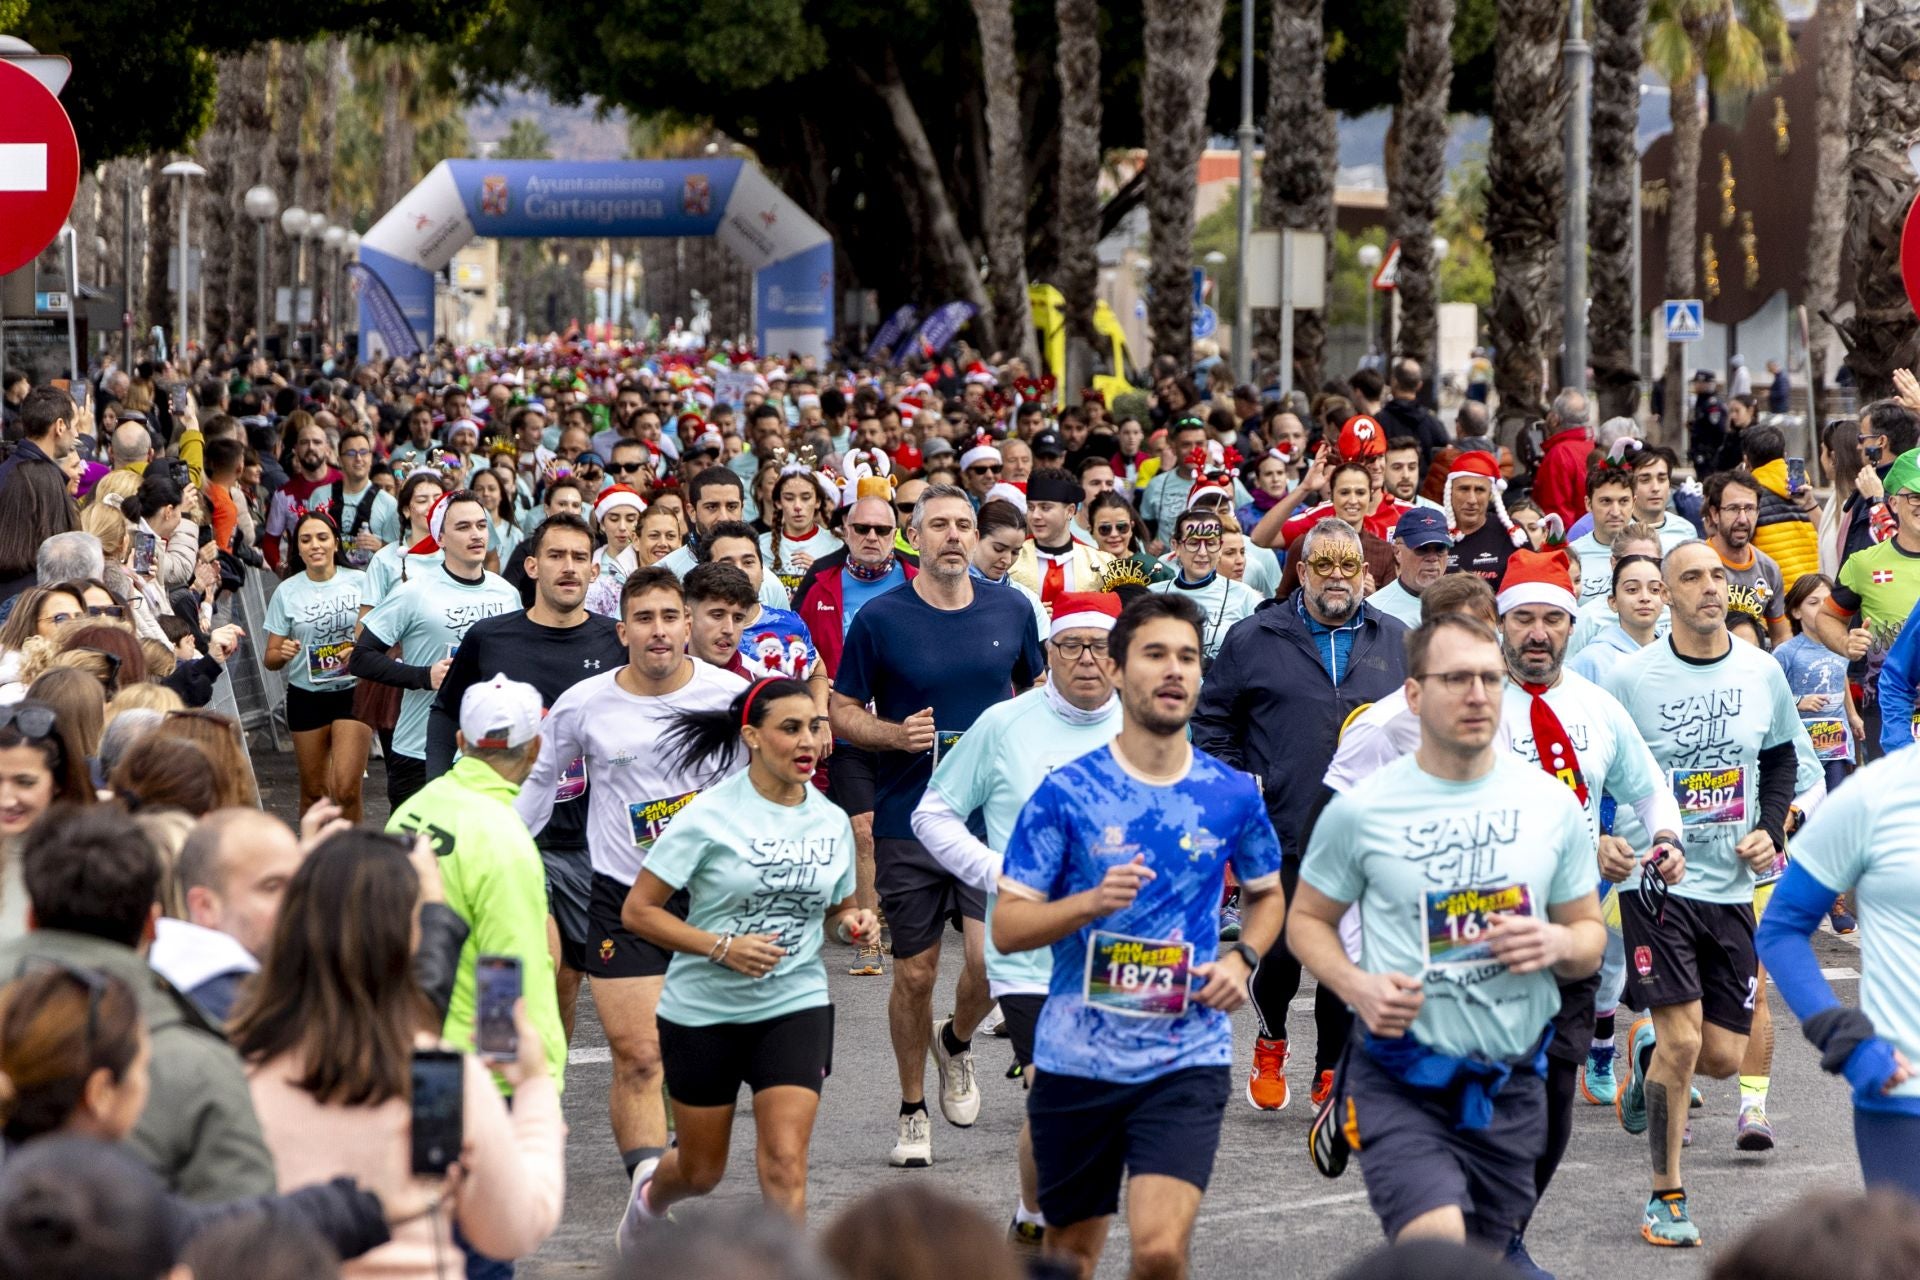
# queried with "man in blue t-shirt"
point(1118, 862)
point(921, 663)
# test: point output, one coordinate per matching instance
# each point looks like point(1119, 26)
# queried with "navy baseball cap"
point(1422, 527)
point(1047, 444)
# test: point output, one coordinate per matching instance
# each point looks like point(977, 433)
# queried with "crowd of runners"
point(1148, 711)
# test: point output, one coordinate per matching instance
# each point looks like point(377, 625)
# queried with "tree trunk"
point(1525, 198)
point(1182, 42)
point(1078, 224)
point(1004, 201)
point(1426, 78)
point(1296, 177)
point(1885, 119)
point(941, 233)
point(218, 199)
point(1683, 239)
point(396, 129)
point(1832, 107)
point(251, 164)
point(1618, 37)
point(327, 126)
point(160, 227)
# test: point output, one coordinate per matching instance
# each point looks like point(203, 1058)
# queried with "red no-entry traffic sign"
point(39, 167)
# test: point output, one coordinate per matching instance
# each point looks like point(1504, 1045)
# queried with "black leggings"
point(1562, 1076)
point(1277, 981)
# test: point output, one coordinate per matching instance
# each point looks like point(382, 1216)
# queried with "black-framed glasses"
point(904, 508)
point(1072, 649)
point(626, 468)
point(93, 980)
point(112, 660)
point(106, 611)
point(1111, 530)
point(871, 530)
point(984, 469)
point(1461, 681)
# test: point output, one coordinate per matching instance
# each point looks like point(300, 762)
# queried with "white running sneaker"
point(959, 1095)
point(914, 1148)
point(634, 1222)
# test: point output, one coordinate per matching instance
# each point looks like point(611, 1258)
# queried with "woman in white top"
point(795, 538)
point(618, 512)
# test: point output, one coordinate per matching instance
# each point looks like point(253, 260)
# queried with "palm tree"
point(1077, 60)
point(1524, 180)
point(252, 163)
point(1886, 118)
point(1618, 40)
point(219, 201)
point(1426, 78)
point(1296, 177)
point(525, 140)
point(1833, 88)
point(1182, 44)
point(1729, 42)
point(1004, 208)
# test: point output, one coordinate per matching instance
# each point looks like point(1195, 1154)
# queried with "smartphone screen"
point(496, 981)
point(438, 1110)
point(1796, 475)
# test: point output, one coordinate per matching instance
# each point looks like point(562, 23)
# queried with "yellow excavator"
point(1050, 325)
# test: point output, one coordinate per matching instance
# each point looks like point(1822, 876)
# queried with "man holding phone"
point(493, 875)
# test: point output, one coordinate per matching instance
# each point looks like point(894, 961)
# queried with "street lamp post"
point(316, 227)
point(294, 222)
point(1369, 255)
point(334, 237)
point(351, 248)
point(183, 170)
point(1243, 296)
point(1579, 72)
point(261, 204)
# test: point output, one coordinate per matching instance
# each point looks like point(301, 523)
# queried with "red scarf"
point(1551, 743)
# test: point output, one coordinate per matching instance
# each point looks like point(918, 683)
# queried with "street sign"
point(1683, 320)
point(39, 167)
point(50, 303)
point(1205, 322)
point(1388, 276)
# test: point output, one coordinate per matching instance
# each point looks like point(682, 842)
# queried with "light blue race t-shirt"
point(996, 767)
point(392, 565)
point(1596, 567)
point(426, 618)
point(321, 616)
point(1091, 814)
point(1429, 861)
point(1707, 723)
point(1866, 838)
point(752, 866)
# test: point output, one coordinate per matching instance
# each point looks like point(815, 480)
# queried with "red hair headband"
point(746, 708)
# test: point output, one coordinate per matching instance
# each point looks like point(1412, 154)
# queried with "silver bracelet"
point(717, 954)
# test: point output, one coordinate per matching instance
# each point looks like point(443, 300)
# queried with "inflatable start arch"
point(790, 254)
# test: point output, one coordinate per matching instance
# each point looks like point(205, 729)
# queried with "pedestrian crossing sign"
point(1683, 320)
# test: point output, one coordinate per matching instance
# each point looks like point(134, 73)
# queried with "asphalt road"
point(1268, 1212)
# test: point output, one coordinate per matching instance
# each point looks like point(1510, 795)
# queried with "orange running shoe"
point(1322, 1086)
point(1267, 1086)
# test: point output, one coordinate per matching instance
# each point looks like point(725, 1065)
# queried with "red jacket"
point(820, 602)
point(1560, 485)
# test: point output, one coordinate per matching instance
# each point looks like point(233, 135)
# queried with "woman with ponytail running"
point(767, 863)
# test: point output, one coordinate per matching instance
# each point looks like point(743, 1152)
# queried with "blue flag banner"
point(384, 311)
point(889, 334)
point(937, 330)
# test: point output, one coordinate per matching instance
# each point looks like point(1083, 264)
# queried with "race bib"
point(1830, 738)
point(327, 663)
point(1137, 977)
point(572, 783)
point(1457, 922)
point(650, 817)
point(1711, 797)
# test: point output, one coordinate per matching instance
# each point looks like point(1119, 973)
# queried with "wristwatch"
point(1247, 954)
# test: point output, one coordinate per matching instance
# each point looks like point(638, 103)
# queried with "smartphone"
point(438, 1108)
point(1796, 475)
point(177, 397)
point(496, 981)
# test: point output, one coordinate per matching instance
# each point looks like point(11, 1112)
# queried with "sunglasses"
point(1109, 530)
point(106, 611)
point(34, 720)
point(112, 660)
point(1341, 567)
point(871, 530)
point(983, 469)
point(626, 468)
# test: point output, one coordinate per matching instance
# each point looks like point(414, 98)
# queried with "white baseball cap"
point(500, 715)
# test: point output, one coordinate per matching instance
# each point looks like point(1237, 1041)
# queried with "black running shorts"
point(1023, 1015)
point(1090, 1134)
point(1701, 951)
point(705, 1066)
point(613, 952)
point(569, 899)
point(1414, 1161)
point(850, 778)
point(307, 711)
point(919, 896)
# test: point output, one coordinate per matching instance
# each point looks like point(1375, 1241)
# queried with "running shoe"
point(913, 1148)
point(1752, 1132)
point(1230, 922)
point(1667, 1222)
point(1630, 1103)
point(1322, 1087)
point(1267, 1084)
point(1025, 1237)
point(635, 1221)
point(866, 962)
point(1327, 1139)
point(959, 1094)
point(1598, 1084)
point(1843, 921)
point(1694, 1099)
point(1522, 1262)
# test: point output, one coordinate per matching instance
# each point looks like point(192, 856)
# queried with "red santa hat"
point(980, 374)
point(1538, 577)
point(616, 497)
point(1485, 466)
point(1096, 609)
point(1362, 437)
point(983, 450)
point(436, 521)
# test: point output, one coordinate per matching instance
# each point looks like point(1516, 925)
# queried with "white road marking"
point(1265, 1210)
point(1841, 974)
point(586, 1057)
point(23, 166)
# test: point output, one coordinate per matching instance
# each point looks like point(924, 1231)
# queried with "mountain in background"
point(577, 133)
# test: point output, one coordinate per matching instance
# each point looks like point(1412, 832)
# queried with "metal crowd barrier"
point(248, 691)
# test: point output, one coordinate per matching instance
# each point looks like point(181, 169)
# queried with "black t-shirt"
point(1484, 551)
point(552, 660)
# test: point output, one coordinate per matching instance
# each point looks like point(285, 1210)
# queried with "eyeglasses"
point(871, 530)
point(984, 469)
point(1072, 649)
point(1337, 566)
point(1198, 540)
point(626, 468)
point(1742, 509)
point(112, 660)
point(93, 980)
point(1461, 681)
point(356, 453)
point(64, 617)
point(106, 611)
point(904, 508)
